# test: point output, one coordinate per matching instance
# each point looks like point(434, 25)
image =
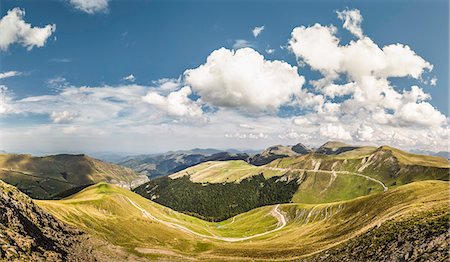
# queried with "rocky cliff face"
point(27, 233)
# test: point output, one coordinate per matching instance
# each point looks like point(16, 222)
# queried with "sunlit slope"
point(44, 177)
point(224, 171)
point(111, 213)
point(391, 166)
point(108, 211)
point(315, 228)
point(321, 178)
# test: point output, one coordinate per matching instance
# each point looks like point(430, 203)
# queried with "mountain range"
point(334, 203)
point(56, 176)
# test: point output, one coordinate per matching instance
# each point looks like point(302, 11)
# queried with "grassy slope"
point(391, 166)
point(42, 177)
point(217, 202)
point(224, 171)
point(316, 188)
point(103, 210)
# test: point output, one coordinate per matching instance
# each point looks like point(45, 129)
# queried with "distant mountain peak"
point(334, 144)
point(300, 149)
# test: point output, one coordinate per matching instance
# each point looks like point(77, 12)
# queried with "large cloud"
point(244, 79)
point(367, 68)
point(15, 30)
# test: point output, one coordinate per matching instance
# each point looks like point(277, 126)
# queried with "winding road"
point(385, 188)
point(275, 213)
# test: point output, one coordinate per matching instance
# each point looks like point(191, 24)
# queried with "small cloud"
point(352, 21)
point(130, 78)
point(57, 83)
point(90, 6)
point(270, 51)
point(246, 126)
point(247, 135)
point(60, 60)
point(433, 81)
point(9, 74)
point(241, 43)
point(167, 84)
point(63, 117)
point(257, 31)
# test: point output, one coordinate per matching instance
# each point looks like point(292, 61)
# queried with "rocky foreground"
point(27, 233)
point(423, 237)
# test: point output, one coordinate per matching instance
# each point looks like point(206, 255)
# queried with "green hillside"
point(218, 190)
point(391, 166)
point(149, 230)
point(218, 201)
point(48, 176)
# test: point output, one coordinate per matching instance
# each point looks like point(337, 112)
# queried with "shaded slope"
point(276, 152)
point(334, 148)
point(165, 164)
point(43, 177)
point(27, 233)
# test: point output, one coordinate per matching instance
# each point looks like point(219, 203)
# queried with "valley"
point(106, 211)
point(233, 210)
point(216, 131)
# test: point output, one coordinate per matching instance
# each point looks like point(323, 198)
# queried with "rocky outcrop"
point(27, 233)
point(424, 237)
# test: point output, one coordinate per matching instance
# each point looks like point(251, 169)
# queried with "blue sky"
point(154, 40)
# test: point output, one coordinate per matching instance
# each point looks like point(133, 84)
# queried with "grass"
point(232, 171)
point(415, 159)
point(103, 210)
point(391, 166)
point(43, 177)
point(316, 188)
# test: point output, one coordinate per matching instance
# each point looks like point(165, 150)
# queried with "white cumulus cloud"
point(14, 29)
point(244, 79)
point(367, 68)
point(176, 103)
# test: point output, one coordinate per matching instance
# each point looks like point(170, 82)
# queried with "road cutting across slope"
point(274, 212)
point(333, 172)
